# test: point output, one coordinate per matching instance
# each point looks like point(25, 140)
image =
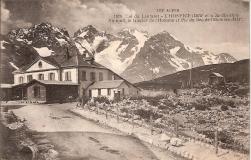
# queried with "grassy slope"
point(233, 72)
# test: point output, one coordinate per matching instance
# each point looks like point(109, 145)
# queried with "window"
point(123, 91)
point(68, 76)
point(40, 64)
point(109, 91)
point(115, 77)
point(109, 76)
point(90, 93)
point(83, 75)
point(21, 79)
point(36, 91)
point(29, 78)
point(101, 76)
point(41, 77)
point(51, 76)
point(99, 92)
point(93, 76)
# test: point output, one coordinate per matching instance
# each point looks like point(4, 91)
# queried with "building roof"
point(106, 84)
point(49, 60)
point(49, 82)
point(217, 74)
point(5, 85)
point(80, 60)
point(74, 61)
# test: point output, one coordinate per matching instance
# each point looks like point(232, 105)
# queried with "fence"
point(135, 122)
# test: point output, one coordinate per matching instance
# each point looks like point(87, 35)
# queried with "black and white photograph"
point(125, 80)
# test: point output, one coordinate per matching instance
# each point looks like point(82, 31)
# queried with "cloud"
point(7, 23)
point(75, 14)
point(5, 15)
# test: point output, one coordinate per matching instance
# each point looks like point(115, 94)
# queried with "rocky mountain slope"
point(163, 54)
point(133, 54)
point(137, 56)
point(111, 50)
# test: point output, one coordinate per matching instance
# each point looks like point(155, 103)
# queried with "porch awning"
point(106, 84)
point(48, 82)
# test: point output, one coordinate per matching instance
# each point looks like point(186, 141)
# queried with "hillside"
point(233, 72)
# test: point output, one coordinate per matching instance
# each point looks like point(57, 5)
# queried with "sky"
point(218, 37)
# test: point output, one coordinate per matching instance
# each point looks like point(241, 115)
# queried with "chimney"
point(67, 54)
point(93, 57)
point(92, 60)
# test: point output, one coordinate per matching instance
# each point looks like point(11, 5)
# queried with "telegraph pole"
point(190, 75)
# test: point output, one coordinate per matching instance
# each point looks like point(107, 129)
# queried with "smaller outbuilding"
point(216, 78)
point(113, 89)
point(6, 92)
point(51, 91)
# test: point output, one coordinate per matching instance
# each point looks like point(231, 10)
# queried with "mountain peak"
point(226, 57)
point(89, 29)
point(131, 32)
point(43, 24)
point(42, 30)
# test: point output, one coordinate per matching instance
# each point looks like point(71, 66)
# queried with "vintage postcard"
point(124, 80)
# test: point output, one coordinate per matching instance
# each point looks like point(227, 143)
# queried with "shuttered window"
point(41, 76)
point(83, 75)
point(29, 78)
point(101, 76)
point(93, 76)
point(68, 76)
point(99, 92)
point(21, 79)
point(51, 76)
point(109, 91)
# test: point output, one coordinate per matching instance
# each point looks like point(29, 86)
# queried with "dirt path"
point(76, 138)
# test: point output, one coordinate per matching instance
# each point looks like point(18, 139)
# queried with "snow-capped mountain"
point(111, 50)
point(123, 50)
point(134, 54)
point(137, 56)
point(90, 40)
point(163, 54)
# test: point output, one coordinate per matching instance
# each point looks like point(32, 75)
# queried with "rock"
point(136, 117)
point(52, 153)
point(158, 120)
point(42, 141)
point(165, 137)
point(45, 147)
point(176, 142)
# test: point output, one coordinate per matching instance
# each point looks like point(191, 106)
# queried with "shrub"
point(201, 106)
point(124, 110)
point(224, 108)
point(162, 107)
point(231, 103)
point(11, 117)
point(242, 91)
point(101, 99)
point(145, 114)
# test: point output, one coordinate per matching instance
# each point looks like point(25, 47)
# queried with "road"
point(76, 138)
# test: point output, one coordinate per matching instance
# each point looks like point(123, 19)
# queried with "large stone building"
point(46, 80)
